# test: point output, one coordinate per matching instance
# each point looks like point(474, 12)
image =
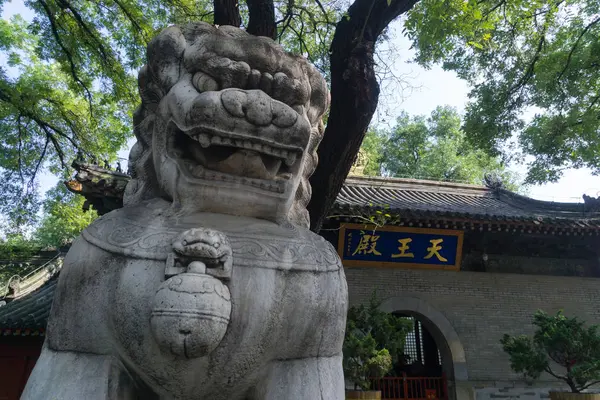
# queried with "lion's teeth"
point(198, 171)
point(290, 159)
point(266, 82)
point(204, 140)
point(254, 79)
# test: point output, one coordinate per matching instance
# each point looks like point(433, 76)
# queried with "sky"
point(421, 92)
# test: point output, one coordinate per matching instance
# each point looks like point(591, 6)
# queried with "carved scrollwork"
point(275, 247)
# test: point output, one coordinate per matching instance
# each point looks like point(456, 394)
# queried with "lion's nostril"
point(185, 331)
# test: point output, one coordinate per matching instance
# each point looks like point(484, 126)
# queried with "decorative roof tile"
point(456, 200)
point(25, 312)
point(102, 188)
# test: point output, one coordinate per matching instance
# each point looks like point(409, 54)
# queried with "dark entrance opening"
point(421, 354)
point(418, 373)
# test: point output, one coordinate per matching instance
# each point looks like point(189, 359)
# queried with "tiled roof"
point(26, 311)
point(102, 188)
point(410, 197)
point(453, 200)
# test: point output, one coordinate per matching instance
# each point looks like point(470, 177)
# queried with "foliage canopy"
point(433, 147)
point(63, 219)
point(520, 56)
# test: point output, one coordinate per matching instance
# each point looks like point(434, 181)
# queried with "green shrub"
point(565, 342)
point(374, 340)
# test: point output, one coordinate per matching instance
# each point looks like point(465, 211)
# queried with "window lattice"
point(414, 349)
point(410, 347)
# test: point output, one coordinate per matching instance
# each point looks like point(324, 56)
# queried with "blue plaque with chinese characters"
point(361, 245)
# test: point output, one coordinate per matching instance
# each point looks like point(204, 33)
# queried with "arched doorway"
point(422, 356)
point(437, 358)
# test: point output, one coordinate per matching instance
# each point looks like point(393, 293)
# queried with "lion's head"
point(229, 123)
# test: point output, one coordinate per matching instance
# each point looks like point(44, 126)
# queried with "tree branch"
point(494, 8)
point(354, 96)
point(56, 145)
point(592, 103)
point(19, 161)
point(323, 11)
point(287, 19)
point(531, 68)
point(67, 120)
point(100, 46)
point(133, 21)
point(549, 371)
point(37, 166)
point(66, 51)
point(302, 42)
point(570, 56)
point(47, 127)
point(590, 384)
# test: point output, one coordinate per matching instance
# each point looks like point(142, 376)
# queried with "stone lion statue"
point(207, 284)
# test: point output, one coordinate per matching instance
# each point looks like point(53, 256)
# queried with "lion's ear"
point(150, 92)
point(319, 95)
point(164, 55)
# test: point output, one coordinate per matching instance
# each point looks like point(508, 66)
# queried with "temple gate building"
point(469, 264)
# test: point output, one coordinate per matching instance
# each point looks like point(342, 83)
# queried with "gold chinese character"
point(403, 249)
point(367, 245)
point(434, 250)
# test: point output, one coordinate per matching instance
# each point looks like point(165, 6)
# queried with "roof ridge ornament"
point(591, 203)
point(493, 180)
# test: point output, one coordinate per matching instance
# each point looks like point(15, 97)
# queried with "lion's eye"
point(216, 245)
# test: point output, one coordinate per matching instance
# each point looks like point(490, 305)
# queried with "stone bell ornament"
point(207, 284)
point(191, 310)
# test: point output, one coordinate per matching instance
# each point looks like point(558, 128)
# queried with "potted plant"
point(374, 339)
point(558, 342)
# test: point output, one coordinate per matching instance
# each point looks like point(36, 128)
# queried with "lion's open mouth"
point(237, 135)
point(211, 156)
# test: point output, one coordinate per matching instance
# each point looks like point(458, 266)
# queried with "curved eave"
point(465, 220)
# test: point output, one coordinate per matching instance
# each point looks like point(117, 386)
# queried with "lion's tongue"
point(246, 163)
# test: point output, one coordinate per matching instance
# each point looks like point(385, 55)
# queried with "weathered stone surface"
point(207, 284)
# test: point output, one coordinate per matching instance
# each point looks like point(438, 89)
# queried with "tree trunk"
point(262, 18)
point(572, 386)
point(354, 96)
point(227, 12)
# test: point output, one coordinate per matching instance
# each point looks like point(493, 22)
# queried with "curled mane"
point(163, 69)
